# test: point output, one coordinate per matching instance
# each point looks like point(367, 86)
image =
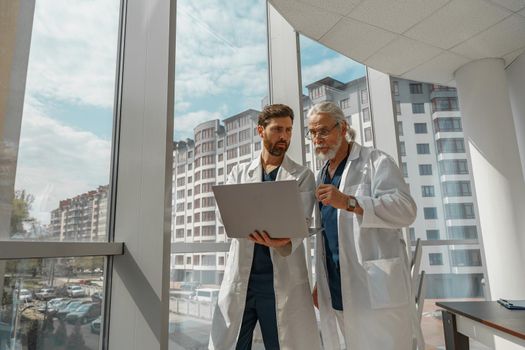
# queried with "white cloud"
point(221, 49)
point(329, 67)
point(185, 124)
point(56, 161)
point(73, 51)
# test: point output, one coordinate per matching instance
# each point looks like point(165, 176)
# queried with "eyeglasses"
point(321, 133)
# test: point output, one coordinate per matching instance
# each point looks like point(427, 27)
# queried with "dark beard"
point(273, 150)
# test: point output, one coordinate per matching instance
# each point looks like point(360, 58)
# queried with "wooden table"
point(481, 320)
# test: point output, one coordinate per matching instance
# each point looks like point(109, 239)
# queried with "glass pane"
point(51, 303)
point(59, 60)
point(220, 85)
point(330, 76)
point(437, 163)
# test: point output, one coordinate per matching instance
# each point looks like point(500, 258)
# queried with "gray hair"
point(336, 113)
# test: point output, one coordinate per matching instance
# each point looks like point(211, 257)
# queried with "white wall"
point(491, 141)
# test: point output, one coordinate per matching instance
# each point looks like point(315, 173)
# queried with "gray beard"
point(331, 153)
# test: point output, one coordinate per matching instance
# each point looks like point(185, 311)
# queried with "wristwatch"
point(351, 203)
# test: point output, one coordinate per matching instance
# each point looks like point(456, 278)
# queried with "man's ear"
point(260, 130)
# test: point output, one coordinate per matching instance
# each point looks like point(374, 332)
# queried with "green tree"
point(21, 206)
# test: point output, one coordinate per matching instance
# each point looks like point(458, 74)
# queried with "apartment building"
point(433, 160)
point(81, 218)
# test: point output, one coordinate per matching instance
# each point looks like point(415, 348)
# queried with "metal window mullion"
point(34, 249)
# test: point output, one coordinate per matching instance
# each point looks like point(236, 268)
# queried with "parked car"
point(72, 306)
point(95, 325)
point(45, 294)
point(206, 294)
point(75, 291)
point(97, 297)
point(24, 295)
point(84, 313)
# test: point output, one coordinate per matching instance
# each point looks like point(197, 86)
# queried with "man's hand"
point(330, 195)
point(314, 297)
point(265, 239)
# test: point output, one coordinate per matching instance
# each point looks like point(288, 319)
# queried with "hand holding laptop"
point(265, 239)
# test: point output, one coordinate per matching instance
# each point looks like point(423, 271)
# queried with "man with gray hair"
point(363, 279)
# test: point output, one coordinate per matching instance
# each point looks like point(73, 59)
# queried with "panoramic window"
point(435, 159)
point(57, 74)
point(220, 86)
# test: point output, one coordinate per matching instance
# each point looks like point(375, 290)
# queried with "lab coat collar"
point(355, 151)
point(286, 167)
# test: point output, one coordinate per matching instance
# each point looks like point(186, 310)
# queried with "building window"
point(245, 149)
point(220, 144)
point(400, 128)
point(231, 153)
point(405, 169)
point(345, 103)
point(435, 258)
point(462, 232)
point(257, 146)
point(453, 166)
point(364, 96)
point(395, 88)
point(447, 124)
point(368, 134)
point(221, 171)
point(444, 104)
point(418, 108)
point(188, 260)
point(402, 148)
point(459, 211)
point(366, 114)
point(416, 88)
point(420, 128)
point(244, 135)
point(425, 169)
point(457, 188)
point(430, 213)
point(189, 205)
point(208, 216)
point(423, 148)
point(412, 234)
point(466, 257)
point(188, 233)
point(427, 191)
point(432, 235)
point(231, 139)
point(397, 106)
point(453, 145)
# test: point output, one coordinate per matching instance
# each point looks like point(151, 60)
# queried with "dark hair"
point(274, 111)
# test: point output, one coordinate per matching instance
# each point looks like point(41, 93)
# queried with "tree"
point(21, 206)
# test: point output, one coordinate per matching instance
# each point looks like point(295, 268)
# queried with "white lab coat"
point(296, 322)
point(379, 310)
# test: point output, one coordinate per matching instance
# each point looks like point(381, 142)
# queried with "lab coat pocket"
point(386, 283)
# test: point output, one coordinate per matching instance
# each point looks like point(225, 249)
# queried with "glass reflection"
point(52, 304)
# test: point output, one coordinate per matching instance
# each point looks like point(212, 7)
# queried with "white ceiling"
point(425, 40)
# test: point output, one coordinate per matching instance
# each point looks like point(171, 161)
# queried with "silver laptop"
point(275, 207)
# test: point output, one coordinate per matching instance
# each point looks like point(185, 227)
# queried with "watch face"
point(352, 202)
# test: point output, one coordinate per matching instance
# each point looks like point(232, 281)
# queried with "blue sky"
point(221, 70)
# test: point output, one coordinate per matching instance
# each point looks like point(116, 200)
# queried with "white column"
point(285, 77)
point(491, 141)
point(15, 40)
point(382, 112)
point(516, 79)
point(139, 303)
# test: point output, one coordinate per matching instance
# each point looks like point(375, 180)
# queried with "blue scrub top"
point(330, 236)
point(261, 274)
